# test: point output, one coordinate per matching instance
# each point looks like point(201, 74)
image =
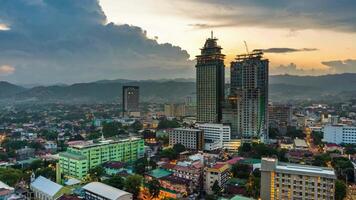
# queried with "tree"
point(11, 176)
point(136, 126)
point(47, 172)
point(294, 133)
point(178, 148)
point(241, 171)
point(340, 190)
point(168, 153)
point(216, 188)
point(164, 124)
point(111, 129)
point(96, 172)
point(245, 148)
point(133, 184)
point(154, 187)
point(36, 164)
point(253, 186)
point(116, 181)
point(317, 137)
point(140, 166)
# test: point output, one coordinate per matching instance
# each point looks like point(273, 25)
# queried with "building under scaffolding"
point(249, 96)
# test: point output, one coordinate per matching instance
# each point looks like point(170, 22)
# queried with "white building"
point(45, 189)
point(100, 191)
point(339, 134)
point(216, 132)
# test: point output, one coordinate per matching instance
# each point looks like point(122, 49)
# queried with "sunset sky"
point(328, 27)
point(68, 41)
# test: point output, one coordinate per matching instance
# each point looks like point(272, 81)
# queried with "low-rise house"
point(101, 191)
point(5, 191)
point(171, 186)
point(333, 147)
point(300, 144)
point(45, 189)
point(25, 153)
point(219, 172)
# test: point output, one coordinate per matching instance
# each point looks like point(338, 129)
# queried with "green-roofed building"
point(239, 197)
point(78, 159)
point(159, 173)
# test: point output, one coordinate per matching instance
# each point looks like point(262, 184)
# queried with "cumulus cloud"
point(287, 50)
point(69, 41)
point(292, 69)
point(341, 66)
point(6, 70)
point(290, 14)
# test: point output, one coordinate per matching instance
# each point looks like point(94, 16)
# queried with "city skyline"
point(97, 43)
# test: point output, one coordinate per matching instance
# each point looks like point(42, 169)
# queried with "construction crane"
point(246, 47)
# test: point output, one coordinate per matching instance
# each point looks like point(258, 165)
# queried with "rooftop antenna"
point(102, 136)
point(212, 35)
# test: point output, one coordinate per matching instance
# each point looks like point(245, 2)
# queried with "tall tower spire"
point(212, 35)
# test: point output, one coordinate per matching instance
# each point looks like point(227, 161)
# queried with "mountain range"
point(282, 88)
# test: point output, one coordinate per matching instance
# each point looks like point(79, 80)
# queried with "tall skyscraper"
point(210, 76)
point(130, 100)
point(249, 86)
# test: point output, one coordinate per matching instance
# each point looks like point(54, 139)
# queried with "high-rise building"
point(192, 139)
point(79, 158)
point(210, 76)
point(291, 181)
point(130, 100)
point(249, 86)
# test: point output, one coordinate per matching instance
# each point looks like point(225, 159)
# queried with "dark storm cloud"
point(287, 50)
point(336, 15)
point(52, 41)
point(341, 66)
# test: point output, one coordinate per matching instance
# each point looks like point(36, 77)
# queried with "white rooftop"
point(46, 186)
point(5, 186)
point(106, 191)
point(300, 143)
point(306, 169)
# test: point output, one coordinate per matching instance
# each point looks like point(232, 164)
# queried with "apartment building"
point(192, 139)
point(78, 159)
point(298, 182)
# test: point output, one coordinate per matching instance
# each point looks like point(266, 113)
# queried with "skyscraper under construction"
point(210, 77)
point(249, 89)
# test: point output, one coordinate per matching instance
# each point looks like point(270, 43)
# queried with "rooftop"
point(72, 155)
point(46, 186)
point(300, 169)
point(106, 191)
point(159, 173)
point(89, 144)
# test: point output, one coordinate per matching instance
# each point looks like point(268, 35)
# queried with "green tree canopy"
point(216, 188)
point(165, 123)
point(111, 129)
point(340, 190)
point(133, 184)
point(154, 187)
point(241, 171)
point(11, 176)
point(96, 172)
point(116, 181)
